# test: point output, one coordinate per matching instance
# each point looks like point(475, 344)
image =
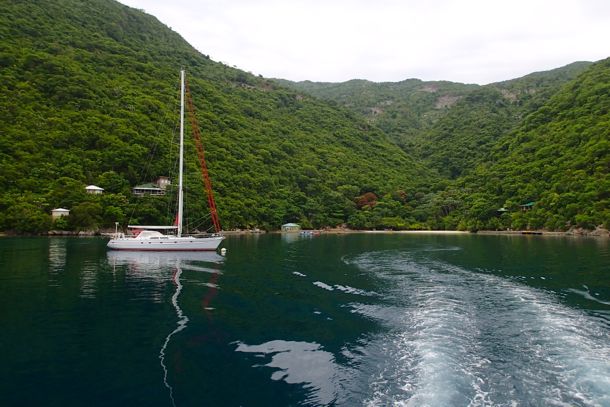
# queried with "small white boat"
point(150, 239)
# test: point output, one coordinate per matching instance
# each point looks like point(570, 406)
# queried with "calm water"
point(373, 320)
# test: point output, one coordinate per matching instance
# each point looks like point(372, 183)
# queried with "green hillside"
point(89, 93)
point(558, 159)
point(403, 110)
point(484, 141)
point(450, 126)
point(467, 133)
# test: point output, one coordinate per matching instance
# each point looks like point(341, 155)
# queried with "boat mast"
point(181, 163)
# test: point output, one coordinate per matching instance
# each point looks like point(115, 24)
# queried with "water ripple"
point(457, 337)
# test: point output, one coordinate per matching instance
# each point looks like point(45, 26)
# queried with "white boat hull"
point(170, 243)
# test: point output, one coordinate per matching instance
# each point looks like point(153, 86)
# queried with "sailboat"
point(149, 238)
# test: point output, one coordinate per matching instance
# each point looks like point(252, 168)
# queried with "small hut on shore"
point(291, 227)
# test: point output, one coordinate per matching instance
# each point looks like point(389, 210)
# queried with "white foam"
point(323, 285)
point(352, 290)
point(462, 338)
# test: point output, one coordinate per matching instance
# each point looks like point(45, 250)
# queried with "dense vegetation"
point(403, 110)
point(89, 95)
point(558, 158)
point(450, 126)
point(541, 138)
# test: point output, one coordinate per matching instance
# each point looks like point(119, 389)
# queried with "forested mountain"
point(89, 95)
point(540, 140)
point(558, 159)
point(450, 126)
point(465, 135)
point(551, 172)
point(403, 110)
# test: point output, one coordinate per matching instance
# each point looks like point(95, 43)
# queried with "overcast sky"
point(469, 41)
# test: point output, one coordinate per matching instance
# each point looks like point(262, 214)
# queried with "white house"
point(59, 212)
point(94, 189)
point(147, 189)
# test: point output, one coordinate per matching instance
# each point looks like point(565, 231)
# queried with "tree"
point(86, 216)
point(66, 192)
point(113, 183)
point(27, 214)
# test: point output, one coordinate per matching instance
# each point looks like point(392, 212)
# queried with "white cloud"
point(475, 41)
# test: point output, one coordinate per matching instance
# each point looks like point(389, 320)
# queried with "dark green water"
point(363, 319)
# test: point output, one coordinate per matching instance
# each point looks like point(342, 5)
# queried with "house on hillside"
point(94, 189)
point(156, 189)
point(527, 206)
point(59, 212)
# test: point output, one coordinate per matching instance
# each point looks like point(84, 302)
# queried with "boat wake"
point(458, 337)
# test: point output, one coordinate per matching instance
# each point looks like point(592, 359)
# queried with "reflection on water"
point(300, 363)
point(57, 254)
point(57, 260)
point(88, 279)
point(180, 325)
point(157, 266)
point(585, 293)
point(161, 260)
point(290, 237)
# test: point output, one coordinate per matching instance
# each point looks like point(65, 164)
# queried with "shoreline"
point(602, 233)
point(400, 232)
point(598, 233)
